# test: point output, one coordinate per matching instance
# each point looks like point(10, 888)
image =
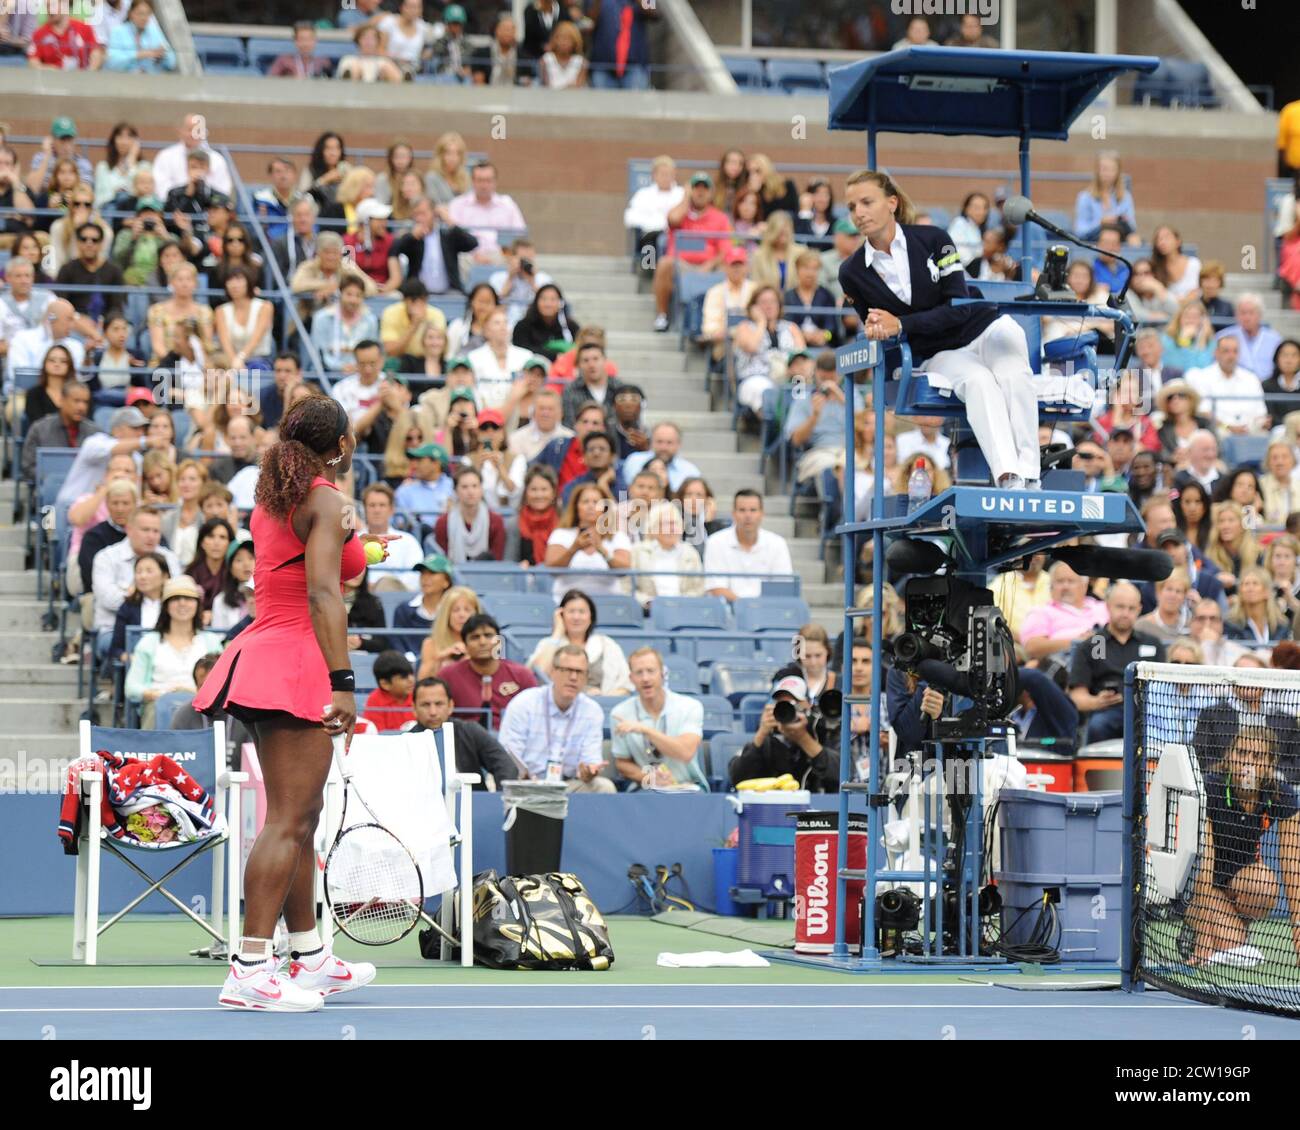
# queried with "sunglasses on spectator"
point(91, 238)
point(576, 672)
point(489, 427)
point(235, 239)
point(1089, 455)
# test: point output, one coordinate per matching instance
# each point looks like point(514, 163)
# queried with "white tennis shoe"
point(261, 988)
point(325, 974)
point(1239, 957)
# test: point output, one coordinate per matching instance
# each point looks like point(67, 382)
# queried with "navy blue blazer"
point(931, 323)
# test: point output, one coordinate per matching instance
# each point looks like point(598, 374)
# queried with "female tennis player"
point(904, 280)
point(276, 677)
point(1245, 794)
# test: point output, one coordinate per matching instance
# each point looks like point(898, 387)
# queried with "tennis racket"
point(373, 885)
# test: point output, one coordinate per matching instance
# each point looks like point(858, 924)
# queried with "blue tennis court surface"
point(849, 1009)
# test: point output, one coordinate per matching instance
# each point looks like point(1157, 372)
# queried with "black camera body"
point(1053, 281)
point(824, 718)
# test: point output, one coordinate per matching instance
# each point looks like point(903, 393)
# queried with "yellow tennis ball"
point(374, 553)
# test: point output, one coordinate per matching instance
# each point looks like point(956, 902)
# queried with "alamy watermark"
point(989, 11)
point(87, 11)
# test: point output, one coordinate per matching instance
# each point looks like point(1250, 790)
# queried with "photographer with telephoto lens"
point(793, 737)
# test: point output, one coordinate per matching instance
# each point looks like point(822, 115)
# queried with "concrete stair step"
point(12, 535)
point(610, 264)
point(55, 676)
point(583, 283)
point(43, 715)
point(29, 647)
point(12, 555)
point(21, 616)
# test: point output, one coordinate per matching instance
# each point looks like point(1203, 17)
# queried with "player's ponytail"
point(309, 432)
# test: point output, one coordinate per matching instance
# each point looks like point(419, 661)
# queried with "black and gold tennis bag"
point(537, 922)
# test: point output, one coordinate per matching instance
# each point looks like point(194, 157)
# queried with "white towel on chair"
point(401, 779)
point(706, 959)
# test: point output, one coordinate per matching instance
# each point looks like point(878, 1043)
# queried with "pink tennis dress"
point(275, 665)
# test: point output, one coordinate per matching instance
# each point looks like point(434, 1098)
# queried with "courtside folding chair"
point(402, 801)
point(202, 754)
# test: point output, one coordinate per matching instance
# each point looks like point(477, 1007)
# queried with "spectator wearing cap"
point(485, 213)
point(342, 326)
point(398, 569)
point(620, 44)
point(601, 467)
point(1257, 342)
point(125, 436)
point(372, 243)
point(302, 62)
point(483, 680)
point(137, 45)
point(451, 52)
point(470, 530)
point(430, 252)
point(435, 403)
point(666, 446)
point(808, 294)
point(428, 490)
point(729, 297)
point(60, 144)
point(433, 575)
point(629, 426)
point(502, 470)
point(65, 44)
point(543, 429)
point(815, 421)
point(646, 214)
point(163, 660)
point(592, 382)
point(696, 213)
point(778, 748)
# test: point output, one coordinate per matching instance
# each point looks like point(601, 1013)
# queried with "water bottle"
point(919, 486)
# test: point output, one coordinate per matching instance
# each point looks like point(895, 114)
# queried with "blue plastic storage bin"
point(766, 841)
point(1060, 833)
point(725, 861)
point(1090, 912)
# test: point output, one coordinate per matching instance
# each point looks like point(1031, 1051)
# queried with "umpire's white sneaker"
point(261, 988)
point(325, 974)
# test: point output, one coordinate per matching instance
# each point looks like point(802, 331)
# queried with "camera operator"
point(912, 706)
point(1098, 661)
point(793, 746)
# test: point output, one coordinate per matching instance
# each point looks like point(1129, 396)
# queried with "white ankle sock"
point(305, 942)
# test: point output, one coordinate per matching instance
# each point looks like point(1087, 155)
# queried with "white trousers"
point(992, 377)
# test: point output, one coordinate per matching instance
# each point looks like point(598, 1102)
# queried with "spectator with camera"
point(657, 734)
point(556, 730)
point(518, 282)
point(1097, 664)
point(815, 422)
point(787, 741)
point(477, 751)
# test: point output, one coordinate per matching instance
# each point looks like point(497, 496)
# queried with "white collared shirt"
point(723, 554)
point(575, 734)
point(892, 266)
point(404, 554)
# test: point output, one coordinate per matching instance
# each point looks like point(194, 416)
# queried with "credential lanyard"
point(564, 742)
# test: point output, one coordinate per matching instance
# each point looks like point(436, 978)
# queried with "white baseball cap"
point(792, 685)
point(371, 209)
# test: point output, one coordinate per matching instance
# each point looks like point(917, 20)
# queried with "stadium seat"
point(748, 73)
point(771, 614)
point(724, 646)
point(751, 709)
point(521, 643)
point(1247, 450)
point(734, 681)
point(391, 601)
point(681, 674)
point(363, 667)
point(521, 610)
point(1176, 82)
point(262, 52)
point(723, 750)
point(489, 577)
point(678, 613)
point(774, 647)
point(629, 639)
point(719, 716)
point(165, 707)
point(616, 609)
point(794, 75)
point(220, 51)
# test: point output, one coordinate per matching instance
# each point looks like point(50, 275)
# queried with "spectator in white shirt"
point(646, 213)
point(544, 427)
point(560, 724)
point(517, 283)
point(338, 329)
point(665, 564)
point(496, 361)
point(665, 445)
point(397, 570)
point(22, 306)
point(28, 348)
point(657, 735)
point(737, 558)
point(1236, 395)
point(113, 571)
point(408, 37)
point(360, 391)
point(925, 439)
point(171, 166)
point(1258, 342)
point(485, 214)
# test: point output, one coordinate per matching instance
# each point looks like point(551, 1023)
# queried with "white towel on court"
point(706, 959)
point(401, 779)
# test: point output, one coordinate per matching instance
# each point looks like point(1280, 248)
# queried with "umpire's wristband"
point(343, 680)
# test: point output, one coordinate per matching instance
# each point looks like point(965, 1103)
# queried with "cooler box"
point(1089, 912)
point(1060, 833)
point(816, 850)
point(766, 866)
point(1056, 768)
